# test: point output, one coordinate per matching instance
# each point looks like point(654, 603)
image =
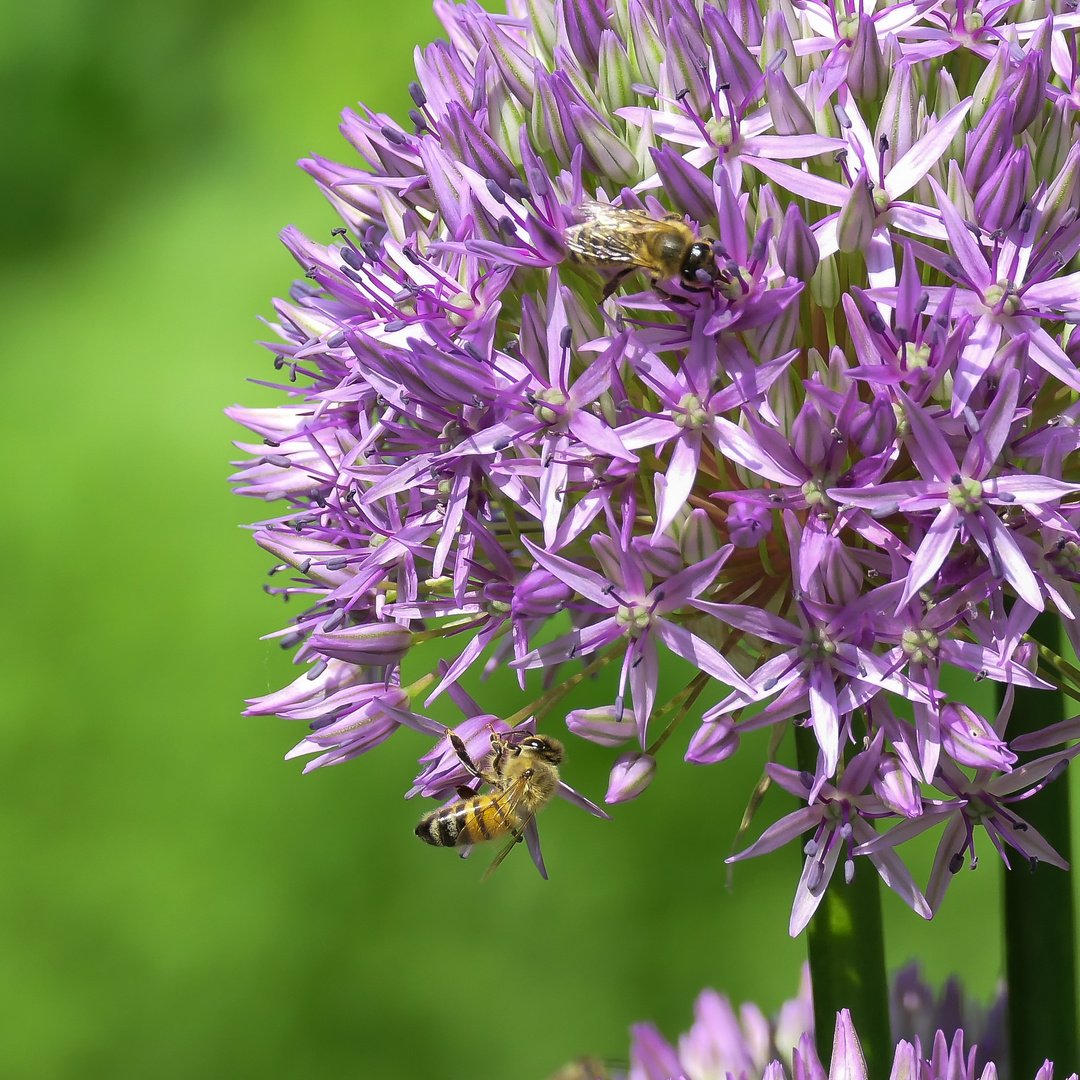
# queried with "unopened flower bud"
point(899, 117)
point(649, 50)
point(894, 786)
point(748, 523)
point(611, 155)
point(874, 429)
point(958, 192)
point(1001, 196)
point(867, 74)
point(825, 284)
point(990, 82)
point(745, 17)
point(698, 538)
point(1039, 43)
point(1055, 143)
point(988, 143)
point(971, 740)
point(374, 644)
point(796, 246)
point(1027, 655)
point(738, 66)
point(630, 776)
point(539, 594)
point(858, 216)
point(600, 726)
point(810, 438)
point(1026, 91)
point(843, 575)
point(946, 99)
point(790, 115)
point(660, 556)
point(776, 39)
point(615, 74)
point(714, 740)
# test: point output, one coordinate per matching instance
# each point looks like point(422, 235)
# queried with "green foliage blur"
point(175, 901)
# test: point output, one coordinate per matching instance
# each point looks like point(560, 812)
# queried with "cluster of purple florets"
point(838, 471)
point(936, 1038)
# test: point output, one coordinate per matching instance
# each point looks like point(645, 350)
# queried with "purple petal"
point(586, 582)
point(932, 552)
point(916, 163)
point(807, 901)
point(688, 583)
point(691, 648)
point(782, 832)
point(960, 239)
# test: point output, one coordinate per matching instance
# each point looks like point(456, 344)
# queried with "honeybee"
point(611, 238)
point(522, 778)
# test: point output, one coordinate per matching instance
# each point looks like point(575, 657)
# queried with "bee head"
point(544, 747)
point(698, 270)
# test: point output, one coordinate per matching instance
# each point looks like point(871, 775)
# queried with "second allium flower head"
point(822, 479)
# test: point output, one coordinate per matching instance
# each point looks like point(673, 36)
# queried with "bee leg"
point(463, 754)
point(465, 792)
point(615, 282)
point(671, 298)
point(500, 751)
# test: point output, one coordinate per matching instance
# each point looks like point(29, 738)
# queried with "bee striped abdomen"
point(467, 821)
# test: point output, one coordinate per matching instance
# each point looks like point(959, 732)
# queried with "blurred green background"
point(175, 900)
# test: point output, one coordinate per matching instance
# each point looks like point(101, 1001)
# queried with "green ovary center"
point(818, 646)
point(549, 403)
point(1002, 298)
point(966, 495)
point(919, 645)
point(720, 131)
point(691, 414)
point(914, 357)
point(815, 495)
point(634, 618)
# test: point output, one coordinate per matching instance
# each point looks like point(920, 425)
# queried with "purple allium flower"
point(930, 1036)
point(827, 461)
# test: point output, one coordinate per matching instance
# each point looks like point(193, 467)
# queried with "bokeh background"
point(174, 900)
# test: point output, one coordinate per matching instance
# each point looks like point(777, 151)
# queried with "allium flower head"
point(823, 462)
point(929, 1033)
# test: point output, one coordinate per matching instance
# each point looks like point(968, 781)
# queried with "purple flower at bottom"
point(930, 1043)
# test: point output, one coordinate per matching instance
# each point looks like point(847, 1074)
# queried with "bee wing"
point(508, 801)
point(611, 236)
point(602, 213)
point(497, 861)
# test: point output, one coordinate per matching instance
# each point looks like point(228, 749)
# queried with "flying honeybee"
point(611, 238)
point(522, 778)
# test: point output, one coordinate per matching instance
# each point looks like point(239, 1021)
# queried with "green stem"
point(846, 948)
point(1040, 938)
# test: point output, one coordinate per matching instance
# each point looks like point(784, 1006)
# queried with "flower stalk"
point(846, 949)
point(1040, 932)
